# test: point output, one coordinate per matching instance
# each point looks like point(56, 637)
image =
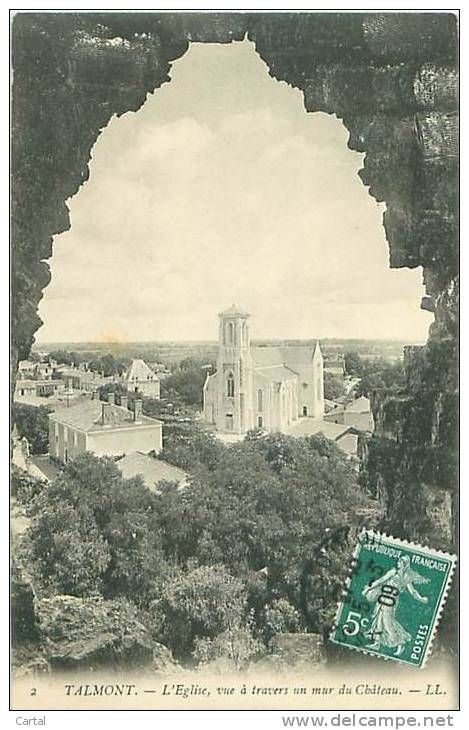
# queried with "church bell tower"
point(234, 366)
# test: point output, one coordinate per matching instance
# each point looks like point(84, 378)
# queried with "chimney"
point(138, 410)
point(111, 398)
point(105, 413)
point(124, 403)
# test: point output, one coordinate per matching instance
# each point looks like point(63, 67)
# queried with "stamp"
point(393, 599)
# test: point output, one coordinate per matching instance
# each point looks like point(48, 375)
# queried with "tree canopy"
point(222, 558)
point(33, 423)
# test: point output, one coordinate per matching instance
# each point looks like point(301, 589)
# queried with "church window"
point(260, 400)
point(230, 386)
point(260, 421)
point(304, 385)
point(231, 333)
point(305, 410)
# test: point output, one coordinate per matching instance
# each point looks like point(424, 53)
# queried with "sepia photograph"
point(234, 333)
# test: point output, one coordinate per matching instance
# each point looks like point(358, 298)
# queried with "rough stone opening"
point(391, 78)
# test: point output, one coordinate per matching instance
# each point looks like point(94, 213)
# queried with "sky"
point(221, 189)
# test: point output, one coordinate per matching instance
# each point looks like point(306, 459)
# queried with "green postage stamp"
point(393, 598)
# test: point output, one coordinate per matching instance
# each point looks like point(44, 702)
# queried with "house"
point(357, 414)
point(24, 388)
point(139, 378)
point(38, 388)
point(343, 435)
point(103, 428)
point(26, 370)
point(153, 471)
point(45, 370)
point(85, 380)
point(261, 387)
point(334, 364)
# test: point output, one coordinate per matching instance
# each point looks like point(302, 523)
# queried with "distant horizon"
point(119, 343)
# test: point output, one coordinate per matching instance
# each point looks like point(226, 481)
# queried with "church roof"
point(265, 356)
point(276, 373)
point(139, 371)
point(289, 355)
point(234, 311)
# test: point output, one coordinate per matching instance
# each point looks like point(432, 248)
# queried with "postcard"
point(234, 338)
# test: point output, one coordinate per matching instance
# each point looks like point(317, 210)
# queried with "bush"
point(94, 532)
point(33, 423)
point(25, 487)
point(203, 602)
point(237, 645)
point(280, 617)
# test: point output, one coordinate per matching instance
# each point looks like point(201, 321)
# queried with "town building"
point(356, 413)
point(38, 388)
point(103, 428)
point(261, 387)
point(139, 378)
point(334, 364)
point(77, 378)
point(26, 370)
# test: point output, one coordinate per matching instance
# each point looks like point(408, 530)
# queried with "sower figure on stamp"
point(384, 592)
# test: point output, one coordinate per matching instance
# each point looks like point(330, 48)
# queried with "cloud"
point(225, 190)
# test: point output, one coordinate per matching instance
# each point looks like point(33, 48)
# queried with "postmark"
point(393, 598)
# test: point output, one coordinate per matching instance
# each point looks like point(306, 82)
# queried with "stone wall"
point(391, 78)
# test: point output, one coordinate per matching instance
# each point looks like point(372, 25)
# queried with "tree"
point(187, 445)
point(186, 383)
point(117, 388)
point(265, 503)
point(109, 364)
point(333, 387)
point(93, 531)
point(280, 617)
point(202, 602)
point(68, 553)
point(353, 363)
point(33, 423)
point(381, 375)
point(62, 357)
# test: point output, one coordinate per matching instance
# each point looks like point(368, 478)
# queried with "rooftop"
point(276, 373)
point(151, 470)
point(234, 311)
point(360, 405)
point(139, 371)
point(87, 416)
point(348, 443)
point(286, 355)
point(312, 426)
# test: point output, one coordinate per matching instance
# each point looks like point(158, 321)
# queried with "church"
point(261, 387)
